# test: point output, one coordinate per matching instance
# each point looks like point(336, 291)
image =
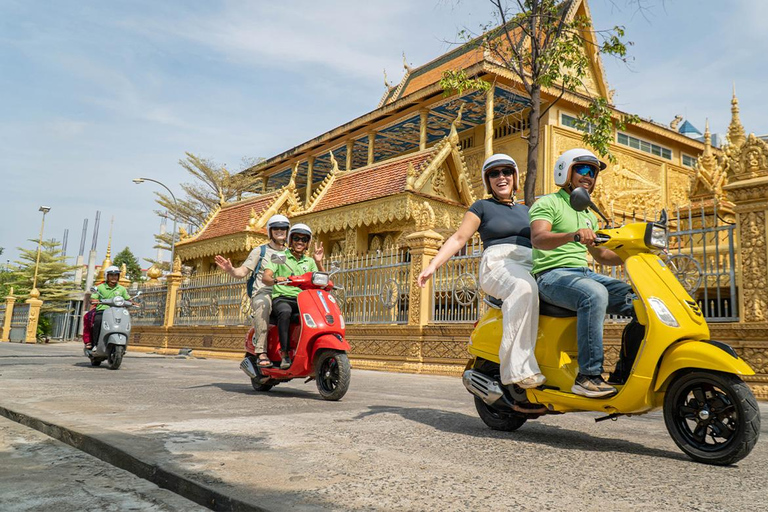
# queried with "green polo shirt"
point(556, 209)
point(103, 292)
point(291, 267)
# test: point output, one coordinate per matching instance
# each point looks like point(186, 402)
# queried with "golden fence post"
point(423, 246)
point(34, 315)
point(173, 281)
point(10, 300)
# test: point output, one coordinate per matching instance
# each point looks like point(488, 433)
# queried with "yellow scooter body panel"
point(698, 354)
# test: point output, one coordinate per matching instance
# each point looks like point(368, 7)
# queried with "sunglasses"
point(300, 238)
point(585, 170)
point(507, 171)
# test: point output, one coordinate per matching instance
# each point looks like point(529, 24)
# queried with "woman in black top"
point(505, 269)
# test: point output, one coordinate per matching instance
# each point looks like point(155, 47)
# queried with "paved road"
point(396, 442)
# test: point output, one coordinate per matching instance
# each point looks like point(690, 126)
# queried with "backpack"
point(255, 273)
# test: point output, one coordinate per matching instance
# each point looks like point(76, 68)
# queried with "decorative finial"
point(736, 134)
point(11, 293)
point(386, 81)
point(407, 68)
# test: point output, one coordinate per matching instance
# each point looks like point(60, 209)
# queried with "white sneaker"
point(533, 381)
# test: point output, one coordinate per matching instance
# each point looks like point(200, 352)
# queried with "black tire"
point(332, 374)
point(261, 384)
point(115, 358)
point(713, 417)
point(96, 362)
point(498, 420)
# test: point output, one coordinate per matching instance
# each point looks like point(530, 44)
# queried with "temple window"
point(689, 161)
point(643, 145)
point(571, 122)
point(467, 142)
point(510, 128)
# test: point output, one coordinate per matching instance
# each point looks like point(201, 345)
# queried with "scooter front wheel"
point(332, 374)
point(713, 417)
point(496, 419)
point(115, 358)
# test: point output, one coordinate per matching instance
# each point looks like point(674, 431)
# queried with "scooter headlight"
point(656, 236)
point(663, 312)
point(118, 301)
point(320, 279)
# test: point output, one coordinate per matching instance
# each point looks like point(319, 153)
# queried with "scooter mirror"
point(278, 258)
point(93, 289)
point(580, 199)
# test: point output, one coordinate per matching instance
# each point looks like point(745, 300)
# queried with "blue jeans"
point(591, 295)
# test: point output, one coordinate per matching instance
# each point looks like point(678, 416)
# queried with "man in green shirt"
point(561, 238)
point(109, 289)
point(284, 297)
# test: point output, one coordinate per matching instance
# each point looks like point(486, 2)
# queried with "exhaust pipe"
point(247, 367)
point(482, 386)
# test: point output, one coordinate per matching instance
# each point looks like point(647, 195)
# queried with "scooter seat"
point(547, 309)
point(295, 318)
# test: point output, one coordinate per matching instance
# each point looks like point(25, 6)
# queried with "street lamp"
point(139, 181)
point(35, 292)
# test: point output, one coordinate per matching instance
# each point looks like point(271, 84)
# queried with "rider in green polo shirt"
point(285, 298)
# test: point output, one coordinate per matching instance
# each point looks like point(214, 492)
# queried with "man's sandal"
point(264, 362)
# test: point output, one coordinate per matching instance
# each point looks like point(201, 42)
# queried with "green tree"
point(132, 267)
point(212, 186)
point(53, 281)
point(543, 45)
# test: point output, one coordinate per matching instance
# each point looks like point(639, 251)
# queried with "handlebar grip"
point(601, 238)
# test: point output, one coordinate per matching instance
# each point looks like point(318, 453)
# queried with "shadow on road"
point(275, 393)
point(532, 432)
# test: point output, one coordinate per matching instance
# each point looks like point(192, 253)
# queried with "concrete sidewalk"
point(395, 442)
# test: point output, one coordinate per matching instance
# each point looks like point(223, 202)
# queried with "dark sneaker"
point(592, 386)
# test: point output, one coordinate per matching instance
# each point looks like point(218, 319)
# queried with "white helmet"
point(570, 157)
point(277, 221)
point(498, 160)
point(301, 229)
point(111, 270)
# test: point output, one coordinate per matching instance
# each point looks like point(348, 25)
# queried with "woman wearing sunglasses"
point(561, 239)
point(505, 267)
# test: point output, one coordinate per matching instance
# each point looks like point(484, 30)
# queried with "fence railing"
point(151, 310)
point(19, 320)
point(212, 299)
point(456, 296)
point(375, 287)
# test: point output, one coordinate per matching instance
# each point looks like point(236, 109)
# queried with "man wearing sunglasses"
point(285, 298)
point(561, 238)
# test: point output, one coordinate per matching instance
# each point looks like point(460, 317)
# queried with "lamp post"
point(35, 292)
point(139, 181)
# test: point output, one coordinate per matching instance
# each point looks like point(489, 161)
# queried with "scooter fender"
point(117, 338)
point(330, 341)
point(689, 354)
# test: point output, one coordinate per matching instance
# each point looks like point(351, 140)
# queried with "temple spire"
point(735, 130)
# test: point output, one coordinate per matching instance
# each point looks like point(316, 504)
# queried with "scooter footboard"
point(706, 355)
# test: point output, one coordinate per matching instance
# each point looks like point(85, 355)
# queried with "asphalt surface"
point(395, 442)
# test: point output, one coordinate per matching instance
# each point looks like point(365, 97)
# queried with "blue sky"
point(96, 93)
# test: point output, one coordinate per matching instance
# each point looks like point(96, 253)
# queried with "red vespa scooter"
point(318, 346)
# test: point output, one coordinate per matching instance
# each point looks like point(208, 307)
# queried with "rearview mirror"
point(93, 289)
point(278, 258)
point(580, 199)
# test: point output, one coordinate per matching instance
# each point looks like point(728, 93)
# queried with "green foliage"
point(546, 48)
point(133, 270)
point(598, 125)
point(53, 277)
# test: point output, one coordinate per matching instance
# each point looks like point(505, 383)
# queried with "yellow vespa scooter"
point(709, 411)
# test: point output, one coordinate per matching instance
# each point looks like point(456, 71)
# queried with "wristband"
point(576, 237)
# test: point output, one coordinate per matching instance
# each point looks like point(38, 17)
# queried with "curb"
point(166, 479)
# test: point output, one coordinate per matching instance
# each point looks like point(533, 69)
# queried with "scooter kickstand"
point(309, 379)
point(613, 417)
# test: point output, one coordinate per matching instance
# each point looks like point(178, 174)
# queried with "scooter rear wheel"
point(260, 384)
point(713, 417)
point(496, 419)
point(96, 362)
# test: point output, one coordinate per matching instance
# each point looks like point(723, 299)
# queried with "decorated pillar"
point(310, 167)
point(264, 184)
point(350, 148)
point(423, 114)
point(173, 280)
point(34, 315)
point(371, 142)
point(747, 168)
point(423, 245)
point(10, 300)
point(489, 122)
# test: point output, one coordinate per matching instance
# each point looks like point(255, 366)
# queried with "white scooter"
point(113, 338)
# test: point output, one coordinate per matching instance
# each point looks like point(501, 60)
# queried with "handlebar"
point(601, 238)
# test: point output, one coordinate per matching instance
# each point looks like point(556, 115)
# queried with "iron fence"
point(19, 320)
point(212, 299)
point(456, 294)
point(374, 287)
point(151, 304)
